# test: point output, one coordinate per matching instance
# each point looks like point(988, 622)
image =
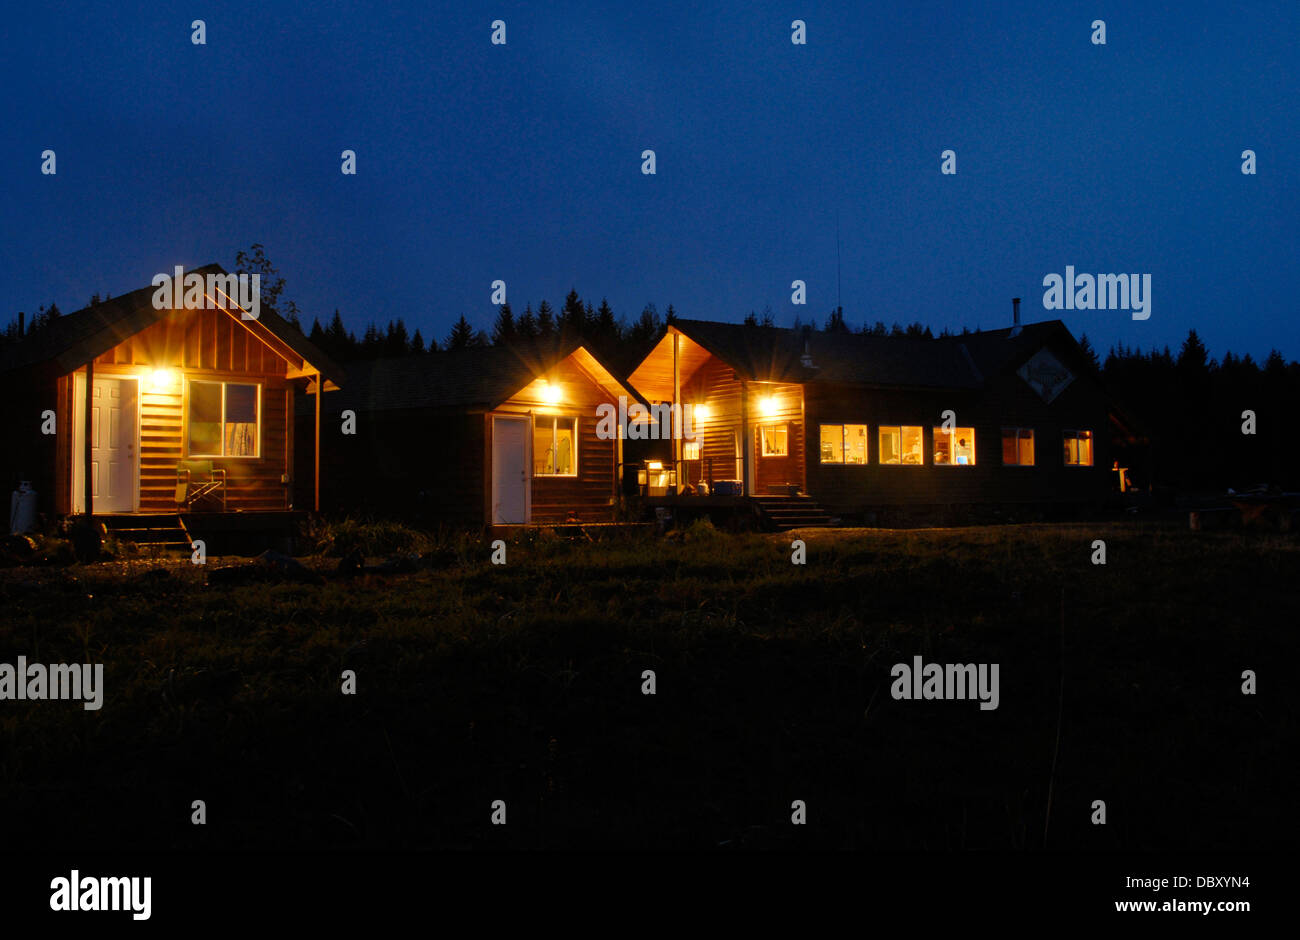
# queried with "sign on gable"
point(1045, 375)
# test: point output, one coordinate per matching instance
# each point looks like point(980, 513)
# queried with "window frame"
point(934, 447)
point(881, 429)
point(554, 422)
point(1066, 434)
point(190, 382)
point(1033, 441)
point(762, 443)
point(844, 446)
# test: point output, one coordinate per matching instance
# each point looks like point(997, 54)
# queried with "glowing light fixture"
point(551, 393)
point(767, 407)
point(161, 380)
point(701, 412)
point(654, 464)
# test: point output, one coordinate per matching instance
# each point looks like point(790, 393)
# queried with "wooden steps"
point(791, 512)
point(166, 530)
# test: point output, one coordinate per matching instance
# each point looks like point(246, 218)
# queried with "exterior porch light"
point(701, 412)
point(551, 394)
point(161, 380)
point(767, 406)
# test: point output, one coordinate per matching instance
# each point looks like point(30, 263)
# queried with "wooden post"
point(745, 450)
point(88, 433)
point(320, 388)
point(803, 443)
point(674, 417)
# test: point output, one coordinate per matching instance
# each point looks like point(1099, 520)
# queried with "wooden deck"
point(590, 530)
point(221, 532)
point(769, 511)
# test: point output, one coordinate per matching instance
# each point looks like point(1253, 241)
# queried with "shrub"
point(372, 538)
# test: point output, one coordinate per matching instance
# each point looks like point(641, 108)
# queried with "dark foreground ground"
point(523, 683)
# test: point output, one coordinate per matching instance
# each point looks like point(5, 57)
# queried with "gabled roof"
point(76, 338)
point(462, 380)
point(778, 354)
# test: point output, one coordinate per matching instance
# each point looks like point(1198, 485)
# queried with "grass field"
point(523, 683)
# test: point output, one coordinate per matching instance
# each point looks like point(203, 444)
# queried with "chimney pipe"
point(1015, 310)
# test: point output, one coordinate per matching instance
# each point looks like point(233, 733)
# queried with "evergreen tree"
point(461, 335)
point(1089, 353)
point(503, 331)
point(526, 327)
point(545, 321)
point(396, 341)
point(372, 344)
point(572, 318)
point(646, 327)
point(606, 327)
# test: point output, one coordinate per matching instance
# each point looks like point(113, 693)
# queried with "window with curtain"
point(223, 419)
point(775, 440)
point(1017, 447)
point(902, 445)
point(1078, 448)
point(555, 446)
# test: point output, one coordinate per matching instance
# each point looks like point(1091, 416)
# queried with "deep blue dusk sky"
point(522, 162)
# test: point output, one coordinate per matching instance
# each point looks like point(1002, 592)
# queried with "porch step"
point(165, 531)
point(791, 512)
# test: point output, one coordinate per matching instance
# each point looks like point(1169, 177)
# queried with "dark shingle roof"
point(104, 325)
point(449, 380)
point(774, 354)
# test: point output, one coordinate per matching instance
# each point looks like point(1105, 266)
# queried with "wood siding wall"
point(715, 384)
point(205, 345)
point(589, 496)
point(434, 466)
point(413, 464)
point(1007, 402)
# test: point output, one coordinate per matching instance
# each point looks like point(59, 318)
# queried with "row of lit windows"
point(903, 445)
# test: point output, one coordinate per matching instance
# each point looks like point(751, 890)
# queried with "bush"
point(372, 538)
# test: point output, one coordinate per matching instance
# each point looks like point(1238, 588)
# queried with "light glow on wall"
point(160, 380)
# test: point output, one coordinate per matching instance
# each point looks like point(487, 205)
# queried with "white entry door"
point(113, 457)
point(509, 470)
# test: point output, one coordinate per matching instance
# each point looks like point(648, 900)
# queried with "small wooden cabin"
point(159, 395)
point(476, 436)
point(857, 422)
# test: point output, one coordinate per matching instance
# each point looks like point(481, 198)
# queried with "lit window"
point(775, 440)
point(1078, 448)
point(954, 448)
point(901, 445)
point(555, 449)
point(844, 443)
point(1017, 447)
point(223, 419)
point(690, 450)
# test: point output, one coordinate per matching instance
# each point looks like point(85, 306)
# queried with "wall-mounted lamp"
point(161, 380)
